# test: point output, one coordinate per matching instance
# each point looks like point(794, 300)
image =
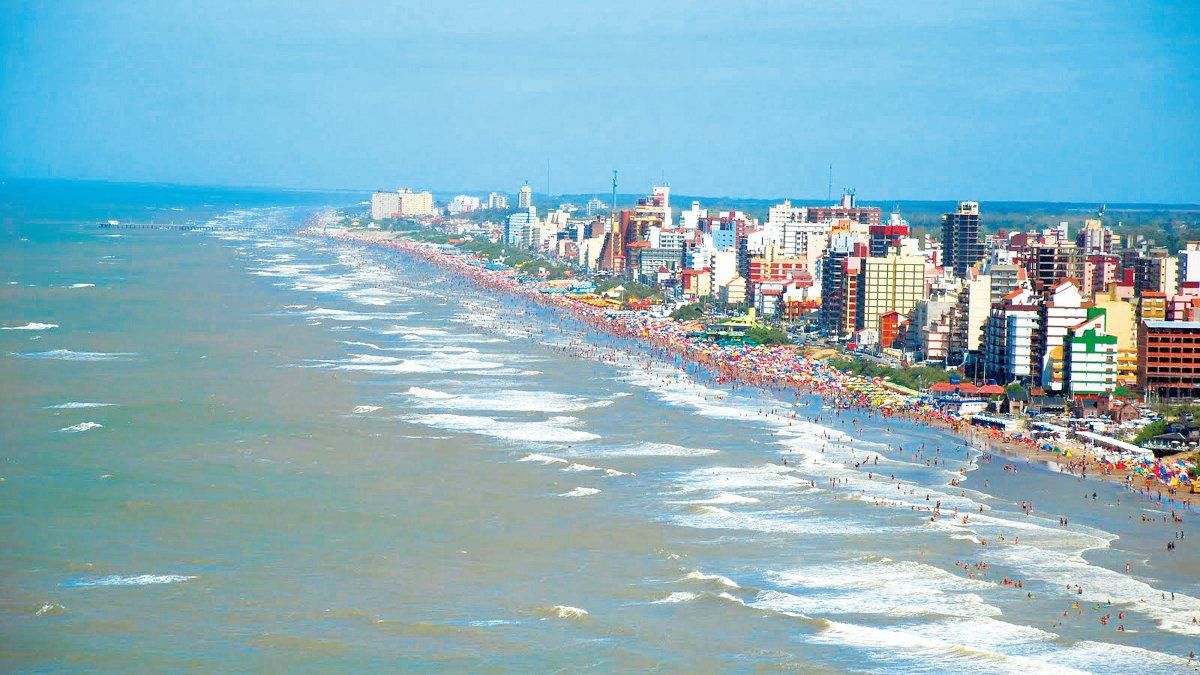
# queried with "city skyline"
point(932, 102)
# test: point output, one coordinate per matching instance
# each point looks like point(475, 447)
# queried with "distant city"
point(1077, 311)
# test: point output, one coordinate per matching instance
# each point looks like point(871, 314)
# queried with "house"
point(1015, 402)
point(1048, 404)
point(1124, 412)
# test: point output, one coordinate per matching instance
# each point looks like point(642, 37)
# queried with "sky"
point(1064, 101)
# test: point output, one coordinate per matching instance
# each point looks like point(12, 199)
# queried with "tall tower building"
point(960, 238)
point(525, 198)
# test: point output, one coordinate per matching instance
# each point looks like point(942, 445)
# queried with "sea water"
point(249, 449)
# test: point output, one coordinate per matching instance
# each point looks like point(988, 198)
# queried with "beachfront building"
point(1008, 339)
point(734, 292)
point(415, 203)
point(696, 283)
point(840, 271)
point(515, 229)
point(1120, 321)
point(931, 330)
point(970, 313)
point(1169, 359)
point(771, 267)
point(1091, 357)
point(724, 267)
point(400, 204)
point(384, 205)
point(1062, 308)
point(655, 259)
point(892, 283)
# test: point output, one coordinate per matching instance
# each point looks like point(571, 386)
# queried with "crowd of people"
point(784, 368)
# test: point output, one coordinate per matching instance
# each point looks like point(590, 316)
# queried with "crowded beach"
point(789, 370)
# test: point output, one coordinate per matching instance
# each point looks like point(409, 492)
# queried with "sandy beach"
point(780, 368)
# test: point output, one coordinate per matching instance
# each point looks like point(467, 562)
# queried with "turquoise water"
point(318, 456)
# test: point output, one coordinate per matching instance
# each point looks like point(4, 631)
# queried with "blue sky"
point(919, 100)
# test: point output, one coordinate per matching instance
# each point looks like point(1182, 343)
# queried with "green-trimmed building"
point(1091, 357)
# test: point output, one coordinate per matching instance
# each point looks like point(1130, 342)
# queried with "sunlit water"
point(252, 450)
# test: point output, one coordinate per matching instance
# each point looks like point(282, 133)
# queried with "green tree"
point(689, 312)
point(1150, 431)
point(1015, 390)
point(767, 335)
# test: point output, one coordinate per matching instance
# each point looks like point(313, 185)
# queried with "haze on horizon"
point(933, 100)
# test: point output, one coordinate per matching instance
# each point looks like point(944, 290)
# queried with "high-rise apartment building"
point(895, 282)
point(1009, 337)
point(401, 203)
point(1063, 307)
point(887, 234)
point(962, 245)
point(525, 197)
point(1091, 357)
point(1156, 270)
point(841, 269)
point(498, 201)
point(1169, 359)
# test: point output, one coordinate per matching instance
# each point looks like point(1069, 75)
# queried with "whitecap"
point(946, 648)
point(655, 450)
point(542, 459)
point(507, 400)
point(884, 587)
point(723, 498)
point(676, 597)
point(421, 392)
point(697, 575)
point(69, 355)
point(82, 426)
point(364, 409)
point(580, 492)
point(31, 326)
point(564, 612)
point(553, 430)
point(72, 405)
point(137, 580)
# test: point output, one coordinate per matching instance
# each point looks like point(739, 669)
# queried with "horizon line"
point(367, 191)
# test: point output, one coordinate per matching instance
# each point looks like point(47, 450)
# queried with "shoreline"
point(776, 368)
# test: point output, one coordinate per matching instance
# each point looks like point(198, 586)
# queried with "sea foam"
point(136, 580)
point(82, 426)
point(31, 326)
point(69, 355)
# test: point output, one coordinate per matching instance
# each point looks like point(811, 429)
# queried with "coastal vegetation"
point(915, 377)
point(767, 335)
point(632, 289)
point(1149, 431)
point(690, 312)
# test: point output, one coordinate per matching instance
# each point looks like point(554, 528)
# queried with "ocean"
point(246, 449)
